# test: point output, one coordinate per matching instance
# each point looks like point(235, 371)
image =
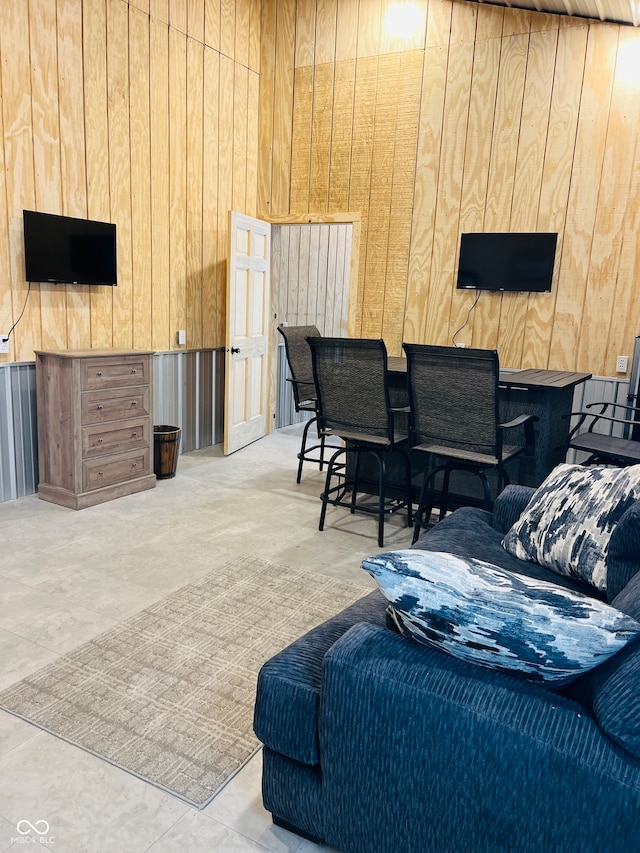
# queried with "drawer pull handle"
point(100, 473)
point(134, 435)
point(99, 373)
point(134, 403)
point(133, 370)
point(100, 440)
point(134, 464)
point(100, 407)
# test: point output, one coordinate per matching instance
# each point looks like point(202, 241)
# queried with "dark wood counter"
point(528, 379)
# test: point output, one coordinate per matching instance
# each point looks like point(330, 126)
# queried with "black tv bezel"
point(63, 225)
point(548, 241)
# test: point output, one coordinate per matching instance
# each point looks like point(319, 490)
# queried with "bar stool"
point(353, 403)
point(454, 416)
point(304, 389)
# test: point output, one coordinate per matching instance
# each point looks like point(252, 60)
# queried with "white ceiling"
point(616, 11)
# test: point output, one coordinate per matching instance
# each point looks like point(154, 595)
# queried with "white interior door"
point(248, 312)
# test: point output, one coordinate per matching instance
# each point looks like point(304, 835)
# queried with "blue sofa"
point(374, 743)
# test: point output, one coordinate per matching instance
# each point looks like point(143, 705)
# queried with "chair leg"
point(445, 492)
point(407, 474)
point(303, 446)
point(382, 476)
point(324, 497)
point(423, 513)
point(417, 518)
point(356, 478)
point(503, 479)
point(487, 490)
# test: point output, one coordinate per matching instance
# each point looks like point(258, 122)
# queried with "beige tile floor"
point(65, 576)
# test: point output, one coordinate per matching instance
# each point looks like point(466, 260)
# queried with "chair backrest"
point(352, 384)
point(299, 359)
point(453, 395)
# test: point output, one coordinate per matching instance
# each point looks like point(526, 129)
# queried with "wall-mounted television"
point(507, 262)
point(66, 250)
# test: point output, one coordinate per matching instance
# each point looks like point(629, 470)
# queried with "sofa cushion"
point(469, 532)
point(483, 614)
point(568, 522)
point(509, 506)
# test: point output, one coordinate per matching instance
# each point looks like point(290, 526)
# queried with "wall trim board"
point(305, 218)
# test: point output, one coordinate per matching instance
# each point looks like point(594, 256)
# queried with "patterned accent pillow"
point(568, 522)
point(486, 615)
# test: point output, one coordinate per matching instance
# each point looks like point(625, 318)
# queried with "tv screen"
point(65, 250)
point(508, 262)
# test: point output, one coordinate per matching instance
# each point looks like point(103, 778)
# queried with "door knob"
point(234, 349)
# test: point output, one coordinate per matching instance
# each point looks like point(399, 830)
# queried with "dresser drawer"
point(116, 437)
point(114, 373)
point(116, 404)
point(97, 473)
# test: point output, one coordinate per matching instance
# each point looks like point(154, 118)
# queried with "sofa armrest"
point(288, 689)
point(509, 506)
point(437, 754)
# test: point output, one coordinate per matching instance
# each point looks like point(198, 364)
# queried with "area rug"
point(168, 695)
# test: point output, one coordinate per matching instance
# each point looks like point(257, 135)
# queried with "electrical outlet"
point(4, 344)
point(182, 337)
point(622, 363)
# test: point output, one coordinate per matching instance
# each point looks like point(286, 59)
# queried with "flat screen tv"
point(507, 262)
point(66, 250)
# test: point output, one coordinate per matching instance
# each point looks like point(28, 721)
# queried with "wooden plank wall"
point(462, 116)
point(139, 112)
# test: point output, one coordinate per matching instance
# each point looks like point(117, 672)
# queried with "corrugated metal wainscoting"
point(188, 390)
point(18, 430)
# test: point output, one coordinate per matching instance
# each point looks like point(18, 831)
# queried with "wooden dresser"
point(94, 425)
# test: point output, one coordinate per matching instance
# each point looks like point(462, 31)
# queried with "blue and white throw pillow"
point(568, 522)
point(486, 615)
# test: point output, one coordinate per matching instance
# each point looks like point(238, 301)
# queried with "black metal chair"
point(453, 401)
point(603, 448)
point(353, 403)
point(304, 389)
